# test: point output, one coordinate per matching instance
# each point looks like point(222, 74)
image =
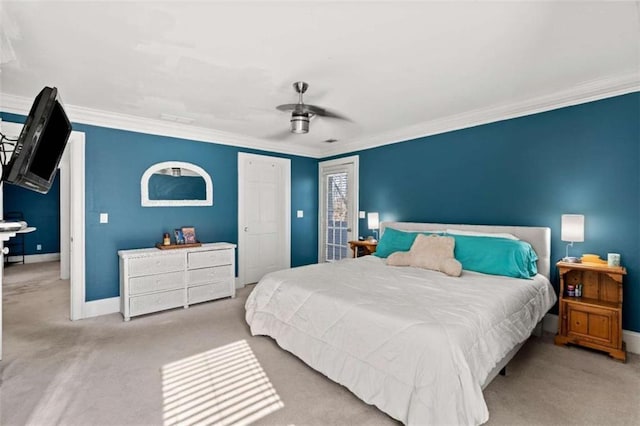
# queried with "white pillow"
point(482, 234)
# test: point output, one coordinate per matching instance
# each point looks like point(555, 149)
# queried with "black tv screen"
point(39, 147)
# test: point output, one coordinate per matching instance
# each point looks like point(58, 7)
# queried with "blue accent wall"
point(115, 162)
point(39, 210)
point(583, 159)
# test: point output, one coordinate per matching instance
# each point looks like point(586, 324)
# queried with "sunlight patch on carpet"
point(223, 386)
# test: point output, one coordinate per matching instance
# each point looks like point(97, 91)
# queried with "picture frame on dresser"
point(189, 235)
point(179, 236)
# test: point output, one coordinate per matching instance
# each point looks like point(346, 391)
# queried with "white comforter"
point(416, 343)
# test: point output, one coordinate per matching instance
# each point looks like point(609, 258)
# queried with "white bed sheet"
point(416, 343)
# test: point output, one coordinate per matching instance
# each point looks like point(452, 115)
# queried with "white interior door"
point(264, 215)
point(338, 181)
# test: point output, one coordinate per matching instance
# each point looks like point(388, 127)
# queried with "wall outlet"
point(38, 246)
point(362, 215)
point(104, 217)
point(300, 213)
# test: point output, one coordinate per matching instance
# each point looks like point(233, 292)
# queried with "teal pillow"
point(496, 256)
point(393, 240)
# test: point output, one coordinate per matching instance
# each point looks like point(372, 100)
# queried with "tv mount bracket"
point(4, 141)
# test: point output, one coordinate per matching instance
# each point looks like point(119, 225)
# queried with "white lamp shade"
point(374, 220)
point(572, 228)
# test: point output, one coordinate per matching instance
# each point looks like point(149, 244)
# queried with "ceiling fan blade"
point(287, 107)
point(322, 112)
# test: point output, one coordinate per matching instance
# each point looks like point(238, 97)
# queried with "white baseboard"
point(35, 258)
point(101, 307)
point(631, 338)
point(238, 285)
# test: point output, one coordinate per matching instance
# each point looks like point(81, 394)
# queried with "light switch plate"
point(300, 213)
point(362, 215)
point(104, 217)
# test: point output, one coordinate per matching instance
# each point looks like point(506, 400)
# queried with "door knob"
point(5, 250)
point(246, 229)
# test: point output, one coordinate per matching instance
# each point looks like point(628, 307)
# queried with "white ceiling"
point(396, 69)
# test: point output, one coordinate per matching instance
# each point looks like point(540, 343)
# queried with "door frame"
point(242, 255)
point(72, 215)
point(355, 160)
point(76, 219)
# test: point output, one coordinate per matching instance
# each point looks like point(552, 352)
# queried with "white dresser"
point(152, 280)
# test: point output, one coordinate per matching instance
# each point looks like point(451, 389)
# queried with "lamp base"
point(570, 259)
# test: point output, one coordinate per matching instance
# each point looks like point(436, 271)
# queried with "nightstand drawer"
point(578, 322)
point(591, 323)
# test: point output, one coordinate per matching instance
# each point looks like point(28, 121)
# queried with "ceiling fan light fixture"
point(299, 123)
point(302, 113)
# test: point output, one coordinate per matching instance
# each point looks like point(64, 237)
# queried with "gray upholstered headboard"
point(538, 237)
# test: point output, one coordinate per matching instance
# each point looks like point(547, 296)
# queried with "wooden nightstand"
point(593, 320)
point(368, 246)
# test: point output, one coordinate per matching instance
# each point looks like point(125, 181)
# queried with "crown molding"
point(81, 115)
point(581, 93)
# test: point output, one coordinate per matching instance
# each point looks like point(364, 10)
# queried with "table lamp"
point(572, 232)
point(373, 219)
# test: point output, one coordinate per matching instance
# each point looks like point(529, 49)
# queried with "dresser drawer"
point(202, 259)
point(209, 275)
point(210, 291)
point(149, 283)
point(147, 303)
point(156, 264)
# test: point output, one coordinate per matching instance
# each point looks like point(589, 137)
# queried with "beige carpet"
point(200, 365)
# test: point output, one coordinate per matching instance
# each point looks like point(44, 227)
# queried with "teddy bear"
point(433, 252)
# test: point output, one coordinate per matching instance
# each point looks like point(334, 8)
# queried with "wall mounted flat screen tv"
point(39, 147)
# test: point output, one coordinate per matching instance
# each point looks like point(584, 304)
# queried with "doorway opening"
point(71, 212)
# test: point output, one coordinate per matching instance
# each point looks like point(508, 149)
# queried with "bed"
point(418, 344)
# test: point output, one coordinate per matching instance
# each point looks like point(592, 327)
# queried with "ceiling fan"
point(301, 113)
